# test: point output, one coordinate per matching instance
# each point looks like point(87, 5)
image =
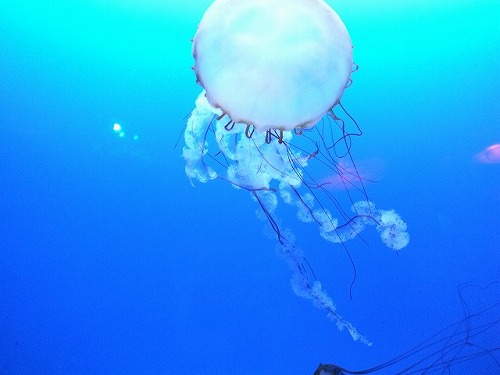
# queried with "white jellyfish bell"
point(273, 72)
point(276, 64)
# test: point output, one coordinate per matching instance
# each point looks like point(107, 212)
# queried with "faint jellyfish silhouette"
point(273, 71)
point(348, 176)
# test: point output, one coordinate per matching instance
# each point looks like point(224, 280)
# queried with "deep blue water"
point(111, 263)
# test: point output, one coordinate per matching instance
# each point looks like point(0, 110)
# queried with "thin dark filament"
point(202, 146)
point(182, 131)
point(309, 209)
point(271, 220)
point(346, 137)
point(179, 138)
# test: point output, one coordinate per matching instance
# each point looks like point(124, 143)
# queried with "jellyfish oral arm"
point(274, 171)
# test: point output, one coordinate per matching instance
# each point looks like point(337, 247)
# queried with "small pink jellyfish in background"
point(490, 155)
point(348, 175)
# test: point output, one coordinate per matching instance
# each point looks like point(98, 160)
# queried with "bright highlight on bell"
point(273, 64)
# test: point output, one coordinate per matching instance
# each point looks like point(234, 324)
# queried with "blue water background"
point(111, 263)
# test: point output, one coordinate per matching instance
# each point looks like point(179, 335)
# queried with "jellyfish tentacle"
point(229, 126)
point(249, 131)
point(298, 130)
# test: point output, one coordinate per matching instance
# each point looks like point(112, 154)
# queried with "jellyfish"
point(465, 341)
point(273, 73)
point(490, 155)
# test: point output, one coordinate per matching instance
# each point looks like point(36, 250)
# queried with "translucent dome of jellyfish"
point(273, 73)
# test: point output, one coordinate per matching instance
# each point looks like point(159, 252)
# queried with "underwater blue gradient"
point(111, 263)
